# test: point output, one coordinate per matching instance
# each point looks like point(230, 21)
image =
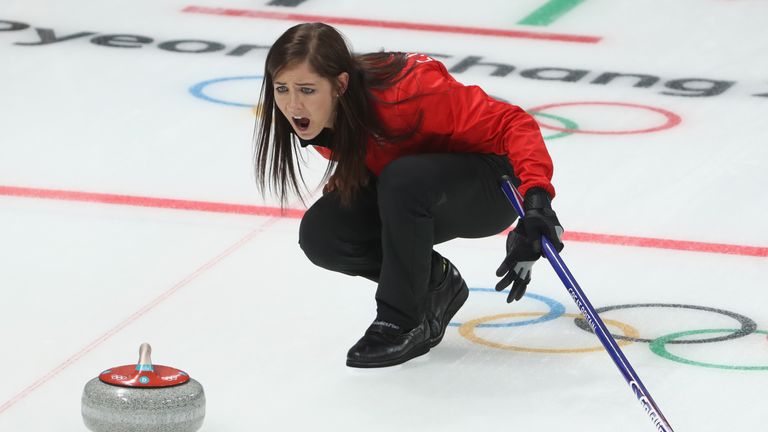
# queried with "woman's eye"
point(281, 89)
point(307, 90)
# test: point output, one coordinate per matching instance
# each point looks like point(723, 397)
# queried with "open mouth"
point(302, 123)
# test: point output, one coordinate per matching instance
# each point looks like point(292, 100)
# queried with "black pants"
point(388, 232)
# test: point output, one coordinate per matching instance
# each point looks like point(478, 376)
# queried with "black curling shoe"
point(443, 301)
point(386, 344)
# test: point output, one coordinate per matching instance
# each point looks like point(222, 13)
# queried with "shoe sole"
point(416, 352)
point(456, 303)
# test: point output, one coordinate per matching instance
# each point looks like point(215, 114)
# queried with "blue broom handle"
point(597, 325)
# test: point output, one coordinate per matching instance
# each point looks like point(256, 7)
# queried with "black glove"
point(540, 220)
point(524, 243)
point(516, 267)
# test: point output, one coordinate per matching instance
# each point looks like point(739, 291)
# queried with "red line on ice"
point(400, 25)
point(217, 207)
point(133, 318)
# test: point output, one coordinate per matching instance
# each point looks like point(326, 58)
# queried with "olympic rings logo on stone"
point(218, 86)
point(629, 334)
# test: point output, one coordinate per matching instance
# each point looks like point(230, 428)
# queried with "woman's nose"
point(294, 101)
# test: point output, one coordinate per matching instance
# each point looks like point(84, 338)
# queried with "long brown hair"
point(328, 55)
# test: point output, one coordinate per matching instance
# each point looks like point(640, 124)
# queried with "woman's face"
point(307, 99)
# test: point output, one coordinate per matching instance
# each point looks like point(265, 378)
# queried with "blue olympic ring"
point(556, 309)
point(197, 90)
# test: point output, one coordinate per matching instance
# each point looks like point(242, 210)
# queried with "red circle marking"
point(672, 118)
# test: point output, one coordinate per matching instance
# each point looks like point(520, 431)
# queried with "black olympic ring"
point(748, 326)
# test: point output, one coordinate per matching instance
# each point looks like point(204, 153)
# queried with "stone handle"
point(145, 360)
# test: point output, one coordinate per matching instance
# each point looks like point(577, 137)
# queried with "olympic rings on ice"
point(748, 326)
point(227, 91)
point(199, 90)
point(468, 331)
point(556, 309)
point(569, 125)
point(670, 119)
point(629, 333)
point(659, 347)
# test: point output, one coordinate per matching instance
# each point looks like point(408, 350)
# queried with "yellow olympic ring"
point(468, 331)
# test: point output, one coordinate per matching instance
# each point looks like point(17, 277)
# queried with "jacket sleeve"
point(466, 117)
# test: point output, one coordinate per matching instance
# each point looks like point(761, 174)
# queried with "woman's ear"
point(343, 82)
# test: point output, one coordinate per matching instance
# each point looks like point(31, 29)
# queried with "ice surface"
point(231, 299)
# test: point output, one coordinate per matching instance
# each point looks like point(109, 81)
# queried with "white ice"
point(231, 299)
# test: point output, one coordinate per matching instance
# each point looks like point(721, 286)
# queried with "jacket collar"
point(323, 139)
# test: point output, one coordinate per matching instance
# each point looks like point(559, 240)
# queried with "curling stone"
point(143, 397)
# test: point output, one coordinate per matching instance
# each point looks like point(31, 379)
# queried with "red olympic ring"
point(672, 119)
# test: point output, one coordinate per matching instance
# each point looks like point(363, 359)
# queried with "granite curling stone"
point(142, 398)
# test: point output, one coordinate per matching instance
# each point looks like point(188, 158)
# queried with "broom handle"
point(586, 309)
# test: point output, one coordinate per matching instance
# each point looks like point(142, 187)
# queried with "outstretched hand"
point(524, 243)
point(516, 267)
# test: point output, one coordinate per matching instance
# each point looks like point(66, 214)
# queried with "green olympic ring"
point(658, 346)
point(568, 124)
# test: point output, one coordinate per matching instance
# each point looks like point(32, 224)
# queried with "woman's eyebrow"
point(299, 84)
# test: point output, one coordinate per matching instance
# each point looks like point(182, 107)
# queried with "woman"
point(415, 160)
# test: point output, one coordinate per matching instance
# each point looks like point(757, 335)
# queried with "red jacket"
point(457, 118)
